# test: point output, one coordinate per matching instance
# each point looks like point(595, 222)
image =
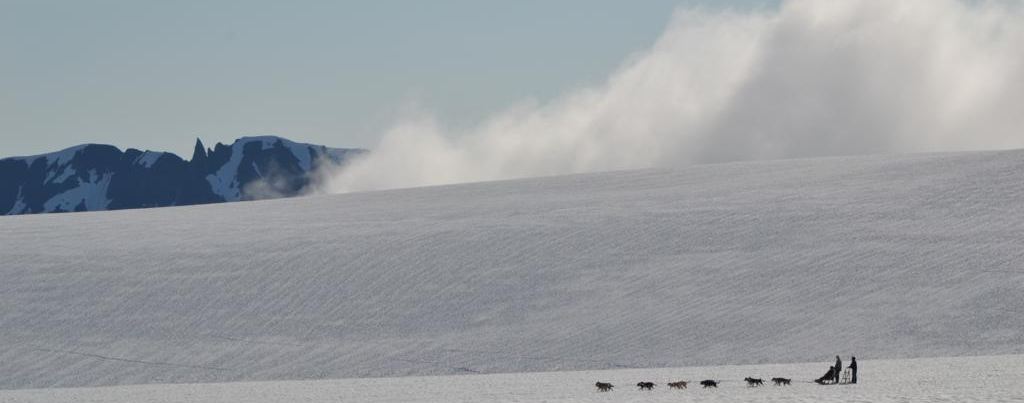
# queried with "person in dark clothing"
point(853, 369)
point(839, 369)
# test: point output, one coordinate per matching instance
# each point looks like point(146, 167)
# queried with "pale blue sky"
point(157, 74)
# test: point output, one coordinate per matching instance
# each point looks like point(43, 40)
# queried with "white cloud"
point(814, 78)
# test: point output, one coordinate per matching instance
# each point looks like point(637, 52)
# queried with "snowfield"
point(975, 379)
point(880, 257)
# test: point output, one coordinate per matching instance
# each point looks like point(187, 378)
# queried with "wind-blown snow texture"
point(767, 262)
point(965, 379)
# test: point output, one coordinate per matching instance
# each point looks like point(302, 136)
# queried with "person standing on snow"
point(839, 369)
point(853, 369)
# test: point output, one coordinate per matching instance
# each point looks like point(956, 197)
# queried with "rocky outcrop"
point(93, 177)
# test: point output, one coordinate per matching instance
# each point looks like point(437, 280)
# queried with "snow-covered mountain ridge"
point(747, 263)
point(93, 177)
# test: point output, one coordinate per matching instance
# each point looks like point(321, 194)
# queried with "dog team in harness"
point(835, 376)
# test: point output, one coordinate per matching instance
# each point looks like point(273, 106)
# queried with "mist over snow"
point(811, 78)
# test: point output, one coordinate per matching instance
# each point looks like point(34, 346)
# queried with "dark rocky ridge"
point(94, 177)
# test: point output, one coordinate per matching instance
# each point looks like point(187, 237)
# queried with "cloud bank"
point(813, 78)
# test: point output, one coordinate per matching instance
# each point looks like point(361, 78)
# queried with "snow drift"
point(767, 262)
point(929, 380)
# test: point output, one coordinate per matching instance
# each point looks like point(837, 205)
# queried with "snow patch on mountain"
point(91, 194)
point(148, 158)
point(301, 151)
point(225, 182)
point(58, 157)
point(65, 173)
point(19, 203)
point(57, 163)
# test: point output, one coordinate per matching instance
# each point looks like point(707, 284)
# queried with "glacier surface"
point(939, 380)
point(896, 256)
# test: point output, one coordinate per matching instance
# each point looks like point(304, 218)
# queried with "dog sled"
point(830, 377)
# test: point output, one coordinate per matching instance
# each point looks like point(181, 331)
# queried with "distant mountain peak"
point(199, 152)
point(90, 177)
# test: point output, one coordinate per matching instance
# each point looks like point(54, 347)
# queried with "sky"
point(807, 79)
point(157, 74)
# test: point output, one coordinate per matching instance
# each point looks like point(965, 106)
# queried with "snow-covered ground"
point(973, 379)
point(749, 263)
